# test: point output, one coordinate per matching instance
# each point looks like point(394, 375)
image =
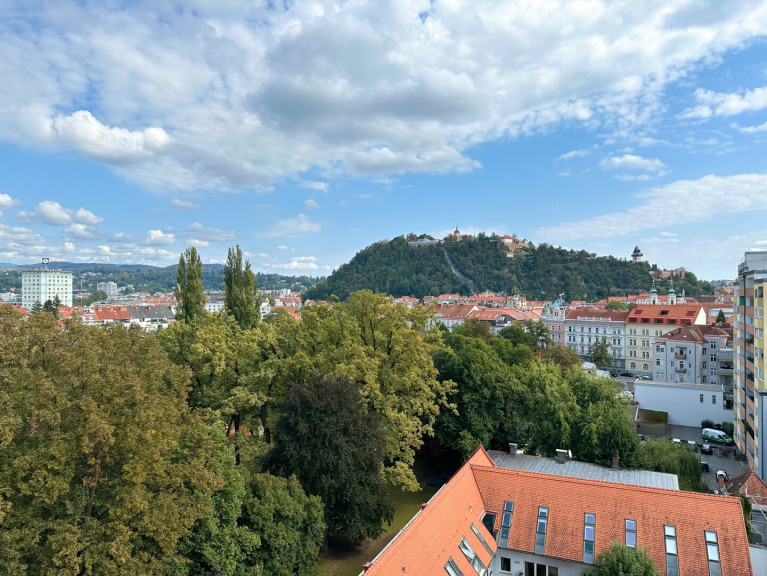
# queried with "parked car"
point(717, 437)
point(704, 466)
point(706, 449)
point(721, 473)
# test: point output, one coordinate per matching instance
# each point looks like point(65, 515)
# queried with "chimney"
point(616, 462)
point(720, 484)
point(563, 455)
point(512, 449)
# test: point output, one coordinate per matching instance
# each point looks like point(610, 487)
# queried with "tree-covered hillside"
point(541, 272)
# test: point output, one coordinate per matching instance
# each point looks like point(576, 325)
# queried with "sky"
point(305, 131)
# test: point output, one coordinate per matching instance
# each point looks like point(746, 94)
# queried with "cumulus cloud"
point(633, 162)
point(573, 154)
point(677, 203)
point(6, 202)
point(312, 185)
point(183, 204)
point(50, 212)
point(298, 263)
point(751, 129)
point(726, 104)
point(197, 243)
point(310, 204)
point(159, 237)
point(293, 226)
point(244, 94)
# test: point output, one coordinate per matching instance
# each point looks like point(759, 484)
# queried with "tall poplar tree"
point(190, 299)
point(240, 289)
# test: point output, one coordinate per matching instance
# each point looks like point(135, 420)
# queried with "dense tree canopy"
point(620, 560)
point(103, 467)
point(326, 437)
point(240, 289)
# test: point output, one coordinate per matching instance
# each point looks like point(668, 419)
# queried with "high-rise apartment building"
point(109, 288)
point(43, 284)
point(748, 354)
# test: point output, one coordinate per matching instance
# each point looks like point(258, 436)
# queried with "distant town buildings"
point(109, 288)
point(585, 327)
point(42, 284)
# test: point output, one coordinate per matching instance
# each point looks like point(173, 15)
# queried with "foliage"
point(564, 357)
point(721, 318)
point(620, 560)
point(529, 332)
point(475, 328)
point(707, 423)
point(240, 289)
point(745, 505)
point(190, 299)
point(335, 447)
point(489, 400)
point(290, 525)
point(662, 455)
point(103, 467)
point(541, 272)
point(384, 349)
point(616, 305)
point(599, 353)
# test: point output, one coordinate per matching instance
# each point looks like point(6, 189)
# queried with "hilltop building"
point(636, 255)
point(42, 284)
point(748, 353)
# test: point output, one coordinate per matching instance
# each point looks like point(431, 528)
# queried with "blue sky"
point(305, 131)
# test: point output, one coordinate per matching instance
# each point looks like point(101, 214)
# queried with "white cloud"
point(183, 204)
point(244, 94)
point(298, 263)
point(197, 243)
point(157, 237)
point(69, 246)
point(677, 203)
point(726, 104)
point(573, 154)
point(311, 185)
point(50, 212)
point(79, 230)
point(310, 204)
point(633, 162)
point(751, 129)
point(6, 202)
point(293, 226)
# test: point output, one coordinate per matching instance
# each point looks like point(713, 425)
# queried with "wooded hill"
point(538, 272)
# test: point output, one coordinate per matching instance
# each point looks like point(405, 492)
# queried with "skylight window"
point(672, 561)
point(712, 552)
point(481, 539)
point(452, 568)
point(589, 526)
point(540, 530)
point(508, 512)
point(631, 533)
point(472, 557)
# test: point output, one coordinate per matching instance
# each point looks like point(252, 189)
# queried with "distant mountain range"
point(484, 263)
point(146, 278)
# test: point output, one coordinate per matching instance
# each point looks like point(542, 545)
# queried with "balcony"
point(680, 356)
point(679, 370)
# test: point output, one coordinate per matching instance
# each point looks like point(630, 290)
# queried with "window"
point(701, 398)
point(532, 569)
point(488, 520)
point(540, 530)
point(505, 564)
point(631, 533)
point(713, 398)
point(672, 561)
point(589, 522)
point(712, 552)
point(482, 540)
point(452, 568)
point(508, 512)
point(472, 557)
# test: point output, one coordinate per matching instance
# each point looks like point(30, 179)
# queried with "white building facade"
point(109, 288)
point(685, 404)
point(584, 328)
point(43, 285)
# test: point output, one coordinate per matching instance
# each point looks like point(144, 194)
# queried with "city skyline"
point(306, 132)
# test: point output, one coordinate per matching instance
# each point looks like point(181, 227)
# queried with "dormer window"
point(589, 526)
point(540, 530)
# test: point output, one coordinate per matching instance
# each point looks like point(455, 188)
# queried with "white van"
point(716, 436)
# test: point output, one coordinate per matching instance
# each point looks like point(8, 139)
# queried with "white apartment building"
point(109, 288)
point(584, 328)
point(691, 354)
point(42, 285)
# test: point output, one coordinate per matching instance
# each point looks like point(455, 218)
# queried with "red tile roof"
point(679, 314)
point(432, 536)
point(591, 314)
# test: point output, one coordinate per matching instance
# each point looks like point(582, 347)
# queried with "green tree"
point(620, 560)
point(616, 305)
point(529, 332)
point(50, 307)
point(721, 318)
point(290, 523)
point(564, 357)
point(95, 296)
point(190, 298)
point(240, 289)
point(328, 440)
point(36, 307)
point(103, 467)
point(475, 328)
point(662, 455)
point(599, 353)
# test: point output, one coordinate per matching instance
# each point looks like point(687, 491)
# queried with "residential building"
point(553, 317)
point(687, 404)
point(692, 354)
point(646, 322)
point(214, 304)
point(493, 520)
point(42, 284)
point(748, 355)
point(109, 288)
point(585, 327)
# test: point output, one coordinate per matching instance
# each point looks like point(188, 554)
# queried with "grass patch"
point(349, 561)
point(652, 417)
